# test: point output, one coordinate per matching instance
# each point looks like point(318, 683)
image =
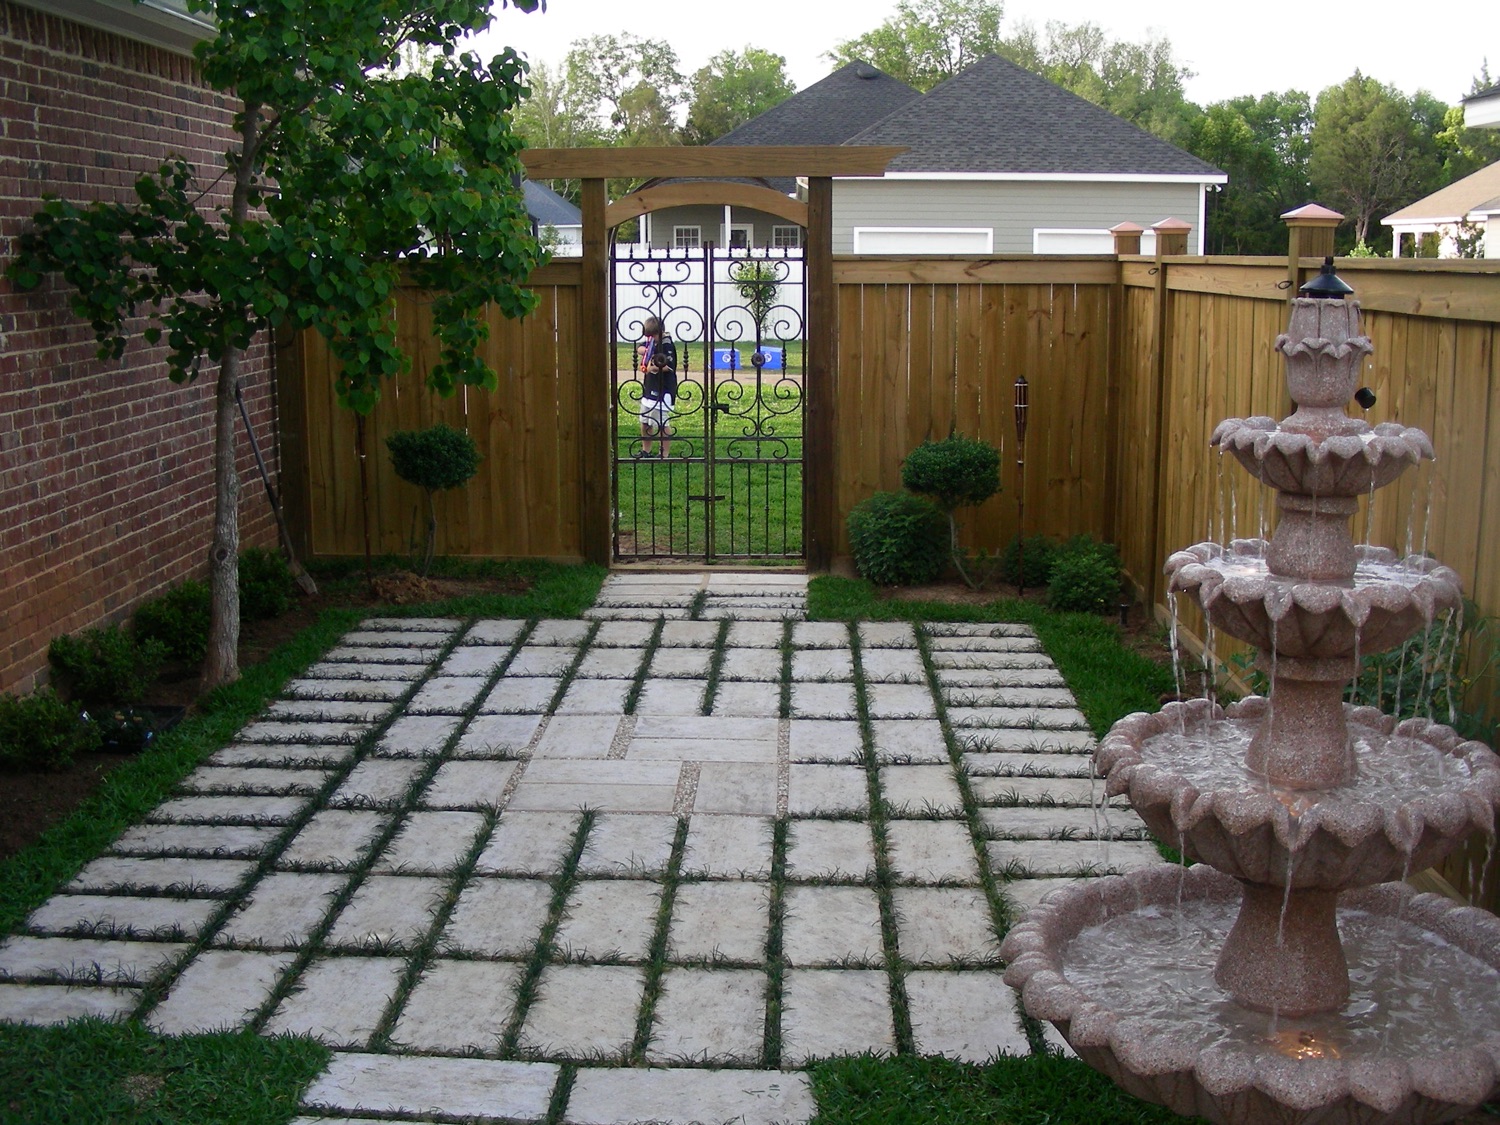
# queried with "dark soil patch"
point(30, 803)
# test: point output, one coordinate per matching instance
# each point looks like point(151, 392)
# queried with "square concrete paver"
point(558, 785)
point(395, 1084)
point(831, 925)
point(559, 633)
point(608, 919)
point(124, 916)
point(736, 787)
point(756, 634)
point(681, 663)
point(584, 1011)
point(720, 921)
point(496, 736)
point(812, 664)
point(672, 697)
point(611, 663)
point(727, 847)
point(468, 784)
point(755, 700)
point(430, 843)
point(969, 1015)
point(932, 851)
point(473, 660)
point(334, 838)
point(497, 631)
point(282, 911)
point(377, 781)
point(520, 695)
point(1064, 823)
point(89, 960)
point(887, 634)
point(825, 740)
point(623, 634)
point(690, 634)
point(542, 660)
point(892, 665)
point(900, 701)
point(703, 738)
point(817, 788)
point(459, 1006)
point(751, 664)
point(578, 736)
point(528, 843)
point(417, 736)
point(219, 989)
point(229, 810)
point(175, 876)
point(921, 790)
point(835, 1012)
point(1081, 792)
point(823, 701)
point(229, 840)
point(1023, 894)
point(621, 844)
point(909, 741)
point(830, 849)
point(1071, 857)
point(595, 697)
point(58, 1003)
point(388, 912)
point(709, 1016)
point(943, 925)
point(252, 779)
point(689, 1097)
point(339, 1000)
point(498, 917)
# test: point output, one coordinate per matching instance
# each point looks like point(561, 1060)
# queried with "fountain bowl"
point(1293, 1072)
point(1353, 462)
point(1389, 600)
point(1327, 840)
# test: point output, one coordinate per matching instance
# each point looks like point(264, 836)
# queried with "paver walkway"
point(469, 856)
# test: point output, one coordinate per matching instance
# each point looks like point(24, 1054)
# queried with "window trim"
point(677, 233)
point(777, 230)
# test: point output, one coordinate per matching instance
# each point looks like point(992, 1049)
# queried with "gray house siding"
point(1013, 209)
point(710, 219)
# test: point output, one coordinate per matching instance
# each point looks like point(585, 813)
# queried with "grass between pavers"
point(1034, 1090)
point(94, 1071)
point(1109, 680)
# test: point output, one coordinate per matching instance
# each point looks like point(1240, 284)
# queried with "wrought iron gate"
point(724, 479)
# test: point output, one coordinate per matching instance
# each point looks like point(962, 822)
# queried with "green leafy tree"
point(732, 88)
point(435, 460)
point(1372, 151)
point(348, 171)
point(623, 89)
point(757, 284)
point(1263, 144)
point(927, 41)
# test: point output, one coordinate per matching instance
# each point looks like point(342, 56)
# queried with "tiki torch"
point(1021, 387)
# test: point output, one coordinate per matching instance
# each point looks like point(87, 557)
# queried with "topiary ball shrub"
point(179, 620)
point(898, 539)
point(1085, 577)
point(957, 471)
point(265, 585)
point(106, 667)
point(1028, 562)
point(436, 458)
point(41, 732)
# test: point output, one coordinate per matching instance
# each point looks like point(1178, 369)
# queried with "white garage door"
point(924, 240)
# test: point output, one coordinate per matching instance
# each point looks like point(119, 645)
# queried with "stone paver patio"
point(693, 831)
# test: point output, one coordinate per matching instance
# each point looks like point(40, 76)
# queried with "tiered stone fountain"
point(1336, 996)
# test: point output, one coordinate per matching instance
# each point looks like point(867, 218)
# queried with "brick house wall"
point(106, 477)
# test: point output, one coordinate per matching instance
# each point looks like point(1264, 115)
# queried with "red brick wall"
point(106, 479)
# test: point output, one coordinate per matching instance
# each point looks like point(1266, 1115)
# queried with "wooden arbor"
point(593, 166)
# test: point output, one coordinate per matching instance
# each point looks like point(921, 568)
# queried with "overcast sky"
point(1232, 48)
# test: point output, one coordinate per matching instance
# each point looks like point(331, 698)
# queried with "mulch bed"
point(30, 803)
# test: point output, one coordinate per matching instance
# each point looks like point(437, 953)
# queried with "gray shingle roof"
point(998, 117)
point(548, 209)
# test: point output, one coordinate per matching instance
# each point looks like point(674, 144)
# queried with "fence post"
point(594, 391)
point(819, 461)
point(1127, 237)
point(1309, 235)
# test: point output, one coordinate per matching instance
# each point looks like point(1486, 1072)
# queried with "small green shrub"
point(1085, 577)
point(106, 667)
point(957, 471)
point(898, 539)
point(265, 585)
point(1028, 562)
point(179, 620)
point(41, 732)
point(434, 459)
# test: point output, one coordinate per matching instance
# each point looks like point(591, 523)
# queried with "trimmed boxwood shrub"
point(957, 472)
point(179, 620)
point(41, 732)
point(106, 667)
point(898, 539)
point(1085, 576)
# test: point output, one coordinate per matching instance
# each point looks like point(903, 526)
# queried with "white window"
point(1082, 240)
point(786, 238)
point(687, 238)
point(924, 240)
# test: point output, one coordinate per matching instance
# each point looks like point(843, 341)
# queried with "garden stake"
point(1021, 387)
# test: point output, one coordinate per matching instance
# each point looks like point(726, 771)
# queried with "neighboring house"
point(1482, 109)
point(1000, 161)
point(558, 223)
point(106, 472)
point(828, 112)
point(1462, 219)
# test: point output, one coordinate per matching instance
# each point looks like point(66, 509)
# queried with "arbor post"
point(1309, 235)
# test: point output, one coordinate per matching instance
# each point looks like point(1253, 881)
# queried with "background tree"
point(1263, 145)
point(623, 88)
point(927, 41)
point(1373, 151)
point(346, 174)
point(731, 89)
point(1464, 151)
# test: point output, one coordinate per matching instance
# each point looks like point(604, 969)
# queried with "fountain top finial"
point(1327, 285)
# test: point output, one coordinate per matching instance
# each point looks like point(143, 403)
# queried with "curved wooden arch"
point(638, 203)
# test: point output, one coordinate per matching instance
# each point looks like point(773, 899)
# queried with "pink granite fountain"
point(1285, 977)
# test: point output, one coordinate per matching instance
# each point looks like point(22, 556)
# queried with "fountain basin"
point(1353, 462)
point(1389, 600)
point(1123, 966)
point(1420, 790)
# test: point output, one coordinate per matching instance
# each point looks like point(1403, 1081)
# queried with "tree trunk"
point(222, 664)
